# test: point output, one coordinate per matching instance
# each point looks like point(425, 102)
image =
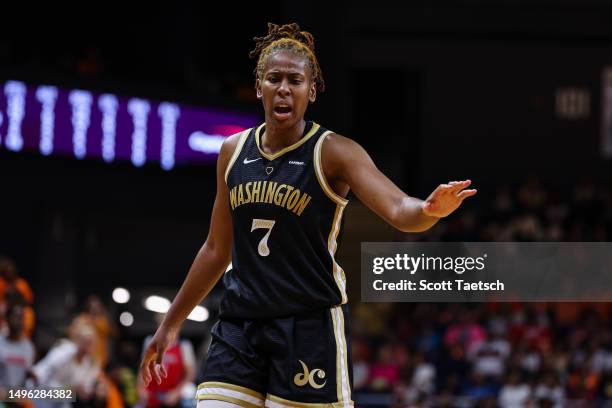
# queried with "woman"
point(282, 338)
point(96, 317)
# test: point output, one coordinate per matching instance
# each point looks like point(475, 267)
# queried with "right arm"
point(208, 266)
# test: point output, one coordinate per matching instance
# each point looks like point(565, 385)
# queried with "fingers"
point(456, 187)
point(156, 368)
point(459, 185)
point(159, 371)
point(466, 193)
point(452, 187)
point(146, 374)
point(163, 371)
point(144, 367)
point(153, 369)
point(160, 366)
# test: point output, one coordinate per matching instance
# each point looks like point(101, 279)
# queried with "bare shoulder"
point(340, 154)
point(229, 145)
point(337, 141)
point(338, 149)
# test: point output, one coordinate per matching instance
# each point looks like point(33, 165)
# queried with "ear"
point(312, 92)
point(258, 88)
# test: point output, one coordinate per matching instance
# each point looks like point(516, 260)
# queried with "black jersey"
point(286, 223)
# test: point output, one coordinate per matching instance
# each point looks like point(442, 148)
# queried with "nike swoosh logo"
point(247, 161)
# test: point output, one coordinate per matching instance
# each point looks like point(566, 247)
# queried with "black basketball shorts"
point(298, 361)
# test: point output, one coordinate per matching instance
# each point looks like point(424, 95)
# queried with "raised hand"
point(446, 198)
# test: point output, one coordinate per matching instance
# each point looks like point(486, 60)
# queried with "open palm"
point(446, 198)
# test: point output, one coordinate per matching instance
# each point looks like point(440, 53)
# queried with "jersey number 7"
point(263, 248)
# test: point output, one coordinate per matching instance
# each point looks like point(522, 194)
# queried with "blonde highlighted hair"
point(287, 37)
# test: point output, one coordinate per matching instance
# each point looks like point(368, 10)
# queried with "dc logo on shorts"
point(308, 377)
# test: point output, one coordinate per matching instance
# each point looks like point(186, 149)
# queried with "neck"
point(276, 138)
point(14, 336)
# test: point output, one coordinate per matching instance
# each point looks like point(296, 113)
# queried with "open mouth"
point(282, 109)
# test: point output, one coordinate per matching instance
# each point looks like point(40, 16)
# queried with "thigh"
point(233, 371)
point(314, 365)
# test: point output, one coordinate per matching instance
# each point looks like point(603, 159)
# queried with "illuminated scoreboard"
point(87, 125)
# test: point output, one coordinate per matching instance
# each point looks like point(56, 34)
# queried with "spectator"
point(95, 316)
point(454, 363)
point(515, 393)
point(105, 395)
point(466, 332)
point(16, 350)
point(489, 357)
point(122, 372)
point(480, 388)
point(71, 364)
point(10, 279)
point(528, 358)
point(424, 376)
point(385, 372)
point(550, 391)
point(361, 367)
point(14, 297)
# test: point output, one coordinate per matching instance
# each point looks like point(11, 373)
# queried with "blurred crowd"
point(81, 360)
point(507, 355)
point(484, 355)
point(404, 355)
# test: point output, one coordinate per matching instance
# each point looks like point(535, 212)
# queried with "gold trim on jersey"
point(272, 401)
point(332, 245)
point(321, 174)
point(242, 138)
point(284, 150)
point(343, 386)
point(216, 390)
point(340, 202)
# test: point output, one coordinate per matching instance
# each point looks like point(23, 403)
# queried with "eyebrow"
point(285, 70)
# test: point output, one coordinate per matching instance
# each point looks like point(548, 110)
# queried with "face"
point(15, 320)
point(94, 305)
point(85, 341)
point(285, 88)
point(8, 270)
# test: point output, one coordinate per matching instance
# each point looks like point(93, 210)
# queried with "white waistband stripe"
point(229, 393)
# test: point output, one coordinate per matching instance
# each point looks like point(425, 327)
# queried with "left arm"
point(348, 166)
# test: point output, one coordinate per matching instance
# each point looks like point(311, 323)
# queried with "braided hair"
point(287, 37)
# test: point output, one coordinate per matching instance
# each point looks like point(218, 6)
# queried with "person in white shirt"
point(489, 357)
point(16, 351)
point(515, 393)
point(70, 364)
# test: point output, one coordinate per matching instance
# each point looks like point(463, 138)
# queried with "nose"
point(283, 89)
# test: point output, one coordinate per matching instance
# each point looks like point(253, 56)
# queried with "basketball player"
point(282, 339)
